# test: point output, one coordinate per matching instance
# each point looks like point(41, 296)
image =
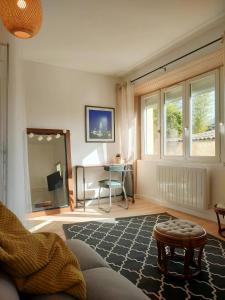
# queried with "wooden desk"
point(84, 167)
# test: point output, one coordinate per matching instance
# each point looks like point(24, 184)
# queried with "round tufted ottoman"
point(181, 234)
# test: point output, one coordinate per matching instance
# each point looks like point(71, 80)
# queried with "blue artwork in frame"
point(100, 124)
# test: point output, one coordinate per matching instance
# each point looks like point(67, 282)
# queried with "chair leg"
point(99, 193)
point(115, 195)
point(110, 199)
point(126, 200)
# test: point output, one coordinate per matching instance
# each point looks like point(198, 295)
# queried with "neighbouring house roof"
point(208, 135)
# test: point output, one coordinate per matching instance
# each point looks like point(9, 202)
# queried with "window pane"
point(173, 122)
point(203, 117)
point(152, 138)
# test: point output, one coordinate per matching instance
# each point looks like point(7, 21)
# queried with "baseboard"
point(208, 214)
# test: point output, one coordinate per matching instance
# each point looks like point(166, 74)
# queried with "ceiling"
point(114, 36)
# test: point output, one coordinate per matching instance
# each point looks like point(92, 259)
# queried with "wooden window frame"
point(219, 134)
point(163, 91)
point(215, 158)
point(143, 126)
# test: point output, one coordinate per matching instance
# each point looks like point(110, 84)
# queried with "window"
point(202, 112)
point(173, 142)
point(151, 104)
point(189, 123)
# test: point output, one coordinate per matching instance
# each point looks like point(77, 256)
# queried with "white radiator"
point(185, 186)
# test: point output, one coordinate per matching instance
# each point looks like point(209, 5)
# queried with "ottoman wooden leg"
point(172, 251)
point(159, 253)
point(162, 258)
point(188, 257)
point(192, 257)
point(200, 258)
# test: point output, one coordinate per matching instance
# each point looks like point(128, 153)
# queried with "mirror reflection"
point(47, 170)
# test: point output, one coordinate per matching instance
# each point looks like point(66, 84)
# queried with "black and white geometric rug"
point(129, 247)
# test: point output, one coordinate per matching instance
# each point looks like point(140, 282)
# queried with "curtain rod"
point(176, 59)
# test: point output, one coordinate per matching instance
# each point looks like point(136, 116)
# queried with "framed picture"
point(99, 124)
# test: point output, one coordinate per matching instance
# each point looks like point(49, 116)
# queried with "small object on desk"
point(220, 210)
point(117, 159)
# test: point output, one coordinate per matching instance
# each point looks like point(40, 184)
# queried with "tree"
point(202, 112)
point(203, 115)
point(174, 120)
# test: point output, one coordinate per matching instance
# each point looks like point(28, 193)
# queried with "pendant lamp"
point(21, 17)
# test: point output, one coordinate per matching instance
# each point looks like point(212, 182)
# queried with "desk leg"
point(84, 187)
point(132, 179)
point(76, 170)
point(122, 175)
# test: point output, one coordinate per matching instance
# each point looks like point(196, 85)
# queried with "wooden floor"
point(53, 223)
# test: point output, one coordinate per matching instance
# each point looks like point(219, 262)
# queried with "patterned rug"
point(129, 247)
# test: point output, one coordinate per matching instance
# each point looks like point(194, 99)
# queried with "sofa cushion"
point(179, 228)
point(86, 256)
point(8, 290)
point(104, 283)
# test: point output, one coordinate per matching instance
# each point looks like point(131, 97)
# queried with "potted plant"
point(118, 158)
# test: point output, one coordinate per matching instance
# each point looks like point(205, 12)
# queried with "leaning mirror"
point(50, 170)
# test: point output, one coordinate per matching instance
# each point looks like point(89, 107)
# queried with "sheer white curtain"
point(126, 120)
point(3, 123)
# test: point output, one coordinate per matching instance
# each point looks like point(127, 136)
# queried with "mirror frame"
point(69, 181)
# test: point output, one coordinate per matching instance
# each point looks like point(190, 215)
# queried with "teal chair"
point(113, 184)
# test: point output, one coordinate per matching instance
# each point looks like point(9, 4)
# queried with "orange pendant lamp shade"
point(21, 17)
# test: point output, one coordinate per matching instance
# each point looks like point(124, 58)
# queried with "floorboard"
point(53, 223)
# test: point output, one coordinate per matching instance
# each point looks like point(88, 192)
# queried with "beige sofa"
point(102, 282)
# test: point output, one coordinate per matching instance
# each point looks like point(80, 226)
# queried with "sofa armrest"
point(7, 288)
point(58, 296)
point(104, 283)
point(86, 256)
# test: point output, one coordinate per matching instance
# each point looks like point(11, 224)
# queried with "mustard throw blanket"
point(39, 263)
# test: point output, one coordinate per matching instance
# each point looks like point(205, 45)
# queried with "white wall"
point(16, 185)
point(56, 97)
point(146, 169)
point(184, 46)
